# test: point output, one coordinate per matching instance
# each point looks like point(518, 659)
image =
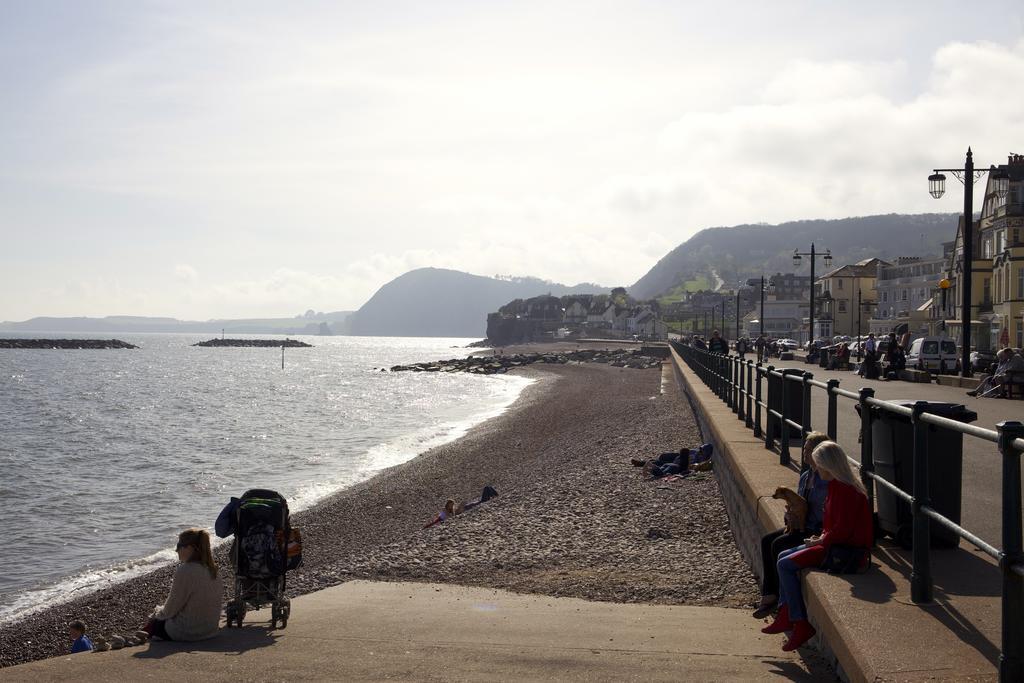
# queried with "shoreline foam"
point(383, 456)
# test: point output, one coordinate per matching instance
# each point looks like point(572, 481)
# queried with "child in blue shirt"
point(81, 642)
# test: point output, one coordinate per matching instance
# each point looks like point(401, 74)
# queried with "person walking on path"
point(814, 490)
point(869, 370)
point(847, 526)
point(759, 344)
point(718, 344)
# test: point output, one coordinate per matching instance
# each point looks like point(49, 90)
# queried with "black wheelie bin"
point(893, 452)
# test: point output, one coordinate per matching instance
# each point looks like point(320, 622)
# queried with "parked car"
point(788, 345)
point(981, 360)
point(934, 354)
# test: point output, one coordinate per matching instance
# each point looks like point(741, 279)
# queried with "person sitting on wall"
point(813, 489)
point(844, 544)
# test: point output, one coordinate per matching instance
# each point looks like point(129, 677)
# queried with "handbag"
point(846, 559)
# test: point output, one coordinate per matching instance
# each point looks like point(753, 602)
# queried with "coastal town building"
point(839, 293)
point(1001, 237)
point(997, 269)
point(789, 287)
point(904, 294)
point(782, 318)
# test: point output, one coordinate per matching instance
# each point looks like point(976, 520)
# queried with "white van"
point(934, 354)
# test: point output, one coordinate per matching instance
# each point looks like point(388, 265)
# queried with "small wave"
point(32, 601)
point(404, 448)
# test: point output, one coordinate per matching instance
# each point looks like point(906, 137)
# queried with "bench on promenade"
point(1013, 385)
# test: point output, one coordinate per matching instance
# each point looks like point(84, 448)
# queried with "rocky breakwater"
point(65, 344)
point(269, 343)
point(495, 365)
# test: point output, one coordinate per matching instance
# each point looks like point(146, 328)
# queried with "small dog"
point(796, 508)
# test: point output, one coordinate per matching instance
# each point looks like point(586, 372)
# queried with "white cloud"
point(226, 163)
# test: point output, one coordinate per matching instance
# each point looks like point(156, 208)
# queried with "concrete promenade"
point(982, 485)
point(424, 632)
point(867, 623)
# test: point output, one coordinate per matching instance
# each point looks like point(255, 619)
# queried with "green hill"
point(744, 251)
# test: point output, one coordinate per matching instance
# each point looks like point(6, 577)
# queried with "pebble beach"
point(573, 516)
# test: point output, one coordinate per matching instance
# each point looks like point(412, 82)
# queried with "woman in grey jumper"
point(192, 610)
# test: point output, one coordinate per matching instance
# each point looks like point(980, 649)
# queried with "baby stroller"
point(260, 555)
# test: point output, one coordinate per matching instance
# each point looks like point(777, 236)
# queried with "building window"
point(904, 295)
point(839, 283)
point(1020, 334)
point(885, 297)
point(842, 306)
point(1020, 282)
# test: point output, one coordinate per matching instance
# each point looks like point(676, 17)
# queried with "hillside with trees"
point(745, 251)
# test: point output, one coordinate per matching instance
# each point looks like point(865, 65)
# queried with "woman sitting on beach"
point(192, 610)
point(847, 536)
point(813, 489)
point(451, 509)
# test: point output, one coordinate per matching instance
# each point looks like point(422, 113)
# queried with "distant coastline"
point(65, 344)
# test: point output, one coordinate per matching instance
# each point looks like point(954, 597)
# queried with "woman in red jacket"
point(848, 522)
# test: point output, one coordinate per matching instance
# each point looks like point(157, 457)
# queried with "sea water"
point(105, 455)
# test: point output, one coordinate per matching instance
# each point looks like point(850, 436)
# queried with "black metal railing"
point(738, 382)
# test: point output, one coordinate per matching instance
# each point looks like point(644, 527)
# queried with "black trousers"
point(771, 545)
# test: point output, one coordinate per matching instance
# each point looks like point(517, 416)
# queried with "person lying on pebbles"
point(451, 509)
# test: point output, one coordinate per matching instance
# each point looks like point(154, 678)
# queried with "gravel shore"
point(573, 517)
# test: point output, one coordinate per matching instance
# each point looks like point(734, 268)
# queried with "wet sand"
point(573, 517)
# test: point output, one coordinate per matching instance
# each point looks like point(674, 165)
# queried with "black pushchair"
point(260, 555)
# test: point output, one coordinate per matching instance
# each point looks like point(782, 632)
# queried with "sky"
point(246, 159)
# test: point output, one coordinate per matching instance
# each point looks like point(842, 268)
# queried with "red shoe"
point(802, 632)
point(781, 622)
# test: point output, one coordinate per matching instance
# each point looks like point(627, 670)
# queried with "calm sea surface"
point(106, 455)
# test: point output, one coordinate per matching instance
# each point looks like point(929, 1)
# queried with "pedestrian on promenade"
point(741, 348)
point(869, 369)
point(814, 490)
point(847, 536)
point(718, 344)
point(759, 344)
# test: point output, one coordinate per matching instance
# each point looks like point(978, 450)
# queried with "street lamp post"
point(937, 187)
point(943, 287)
point(762, 306)
point(737, 313)
point(796, 264)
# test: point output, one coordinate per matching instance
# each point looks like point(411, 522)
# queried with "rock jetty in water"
point(496, 365)
point(272, 343)
point(65, 344)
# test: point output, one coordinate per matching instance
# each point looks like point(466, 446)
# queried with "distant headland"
point(274, 343)
point(65, 344)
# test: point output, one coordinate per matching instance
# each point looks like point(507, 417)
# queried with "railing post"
point(805, 418)
point(767, 402)
point(727, 381)
point(784, 427)
point(740, 377)
point(867, 451)
point(757, 400)
point(749, 422)
point(833, 402)
point(1011, 661)
point(921, 573)
point(737, 387)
